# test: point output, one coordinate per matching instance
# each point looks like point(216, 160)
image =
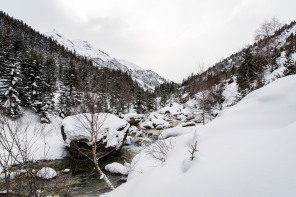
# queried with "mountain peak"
point(146, 79)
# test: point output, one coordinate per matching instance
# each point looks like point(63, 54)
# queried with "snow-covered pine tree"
point(139, 102)
point(11, 104)
point(246, 73)
point(69, 97)
point(290, 63)
point(10, 77)
point(47, 87)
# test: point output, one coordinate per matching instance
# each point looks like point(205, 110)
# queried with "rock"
point(66, 171)
point(153, 132)
point(133, 119)
point(188, 124)
point(46, 173)
point(159, 127)
point(117, 168)
point(111, 136)
point(143, 141)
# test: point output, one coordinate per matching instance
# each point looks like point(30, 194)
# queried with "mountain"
point(145, 78)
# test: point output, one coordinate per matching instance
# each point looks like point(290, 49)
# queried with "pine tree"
point(69, 95)
point(11, 103)
point(139, 102)
point(246, 73)
point(289, 63)
point(10, 77)
point(275, 54)
point(47, 88)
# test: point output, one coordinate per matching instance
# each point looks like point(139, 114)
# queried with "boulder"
point(118, 168)
point(46, 173)
point(133, 118)
point(143, 141)
point(111, 133)
point(188, 124)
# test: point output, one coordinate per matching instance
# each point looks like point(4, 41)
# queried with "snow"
point(176, 109)
point(130, 65)
point(79, 46)
point(66, 170)
point(111, 129)
point(118, 168)
point(248, 151)
point(175, 131)
point(154, 120)
point(45, 139)
point(135, 116)
point(147, 79)
point(46, 173)
point(230, 93)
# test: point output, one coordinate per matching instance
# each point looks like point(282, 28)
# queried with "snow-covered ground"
point(44, 141)
point(248, 151)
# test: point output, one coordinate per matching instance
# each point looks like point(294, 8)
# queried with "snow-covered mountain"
point(146, 78)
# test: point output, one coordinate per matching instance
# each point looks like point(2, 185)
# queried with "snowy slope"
point(146, 78)
point(248, 151)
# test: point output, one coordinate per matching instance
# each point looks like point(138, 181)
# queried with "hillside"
point(247, 151)
point(234, 77)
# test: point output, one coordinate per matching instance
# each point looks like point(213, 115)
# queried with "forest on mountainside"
point(38, 74)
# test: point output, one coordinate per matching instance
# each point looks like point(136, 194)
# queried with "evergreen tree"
point(139, 102)
point(289, 63)
point(246, 73)
point(47, 88)
point(70, 97)
point(275, 54)
point(10, 77)
point(11, 103)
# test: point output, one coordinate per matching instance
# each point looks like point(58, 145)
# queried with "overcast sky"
point(170, 37)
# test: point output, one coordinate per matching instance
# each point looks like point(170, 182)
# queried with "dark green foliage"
point(11, 103)
point(275, 55)
point(70, 97)
point(290, 63)
point(246, 73)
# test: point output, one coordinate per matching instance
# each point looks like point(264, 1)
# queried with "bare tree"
point(263, 35)
point(160, 148)
point(92, 123)
point(200, 86)
point(17, 148)
point(8, 152)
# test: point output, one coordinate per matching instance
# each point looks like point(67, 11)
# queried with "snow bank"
point(111, 129)
point(45, 140)
point(248, 151)
point(175, 131)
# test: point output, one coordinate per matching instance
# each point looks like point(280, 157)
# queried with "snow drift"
point(248, 151)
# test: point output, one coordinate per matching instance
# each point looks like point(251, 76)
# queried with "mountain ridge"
point(147, 79)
